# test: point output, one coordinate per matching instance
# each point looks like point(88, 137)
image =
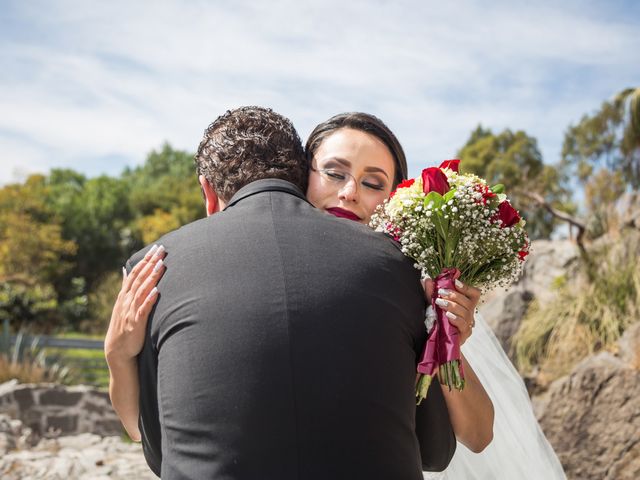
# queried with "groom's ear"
point(212, 201)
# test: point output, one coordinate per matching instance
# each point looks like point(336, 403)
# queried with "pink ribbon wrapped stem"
point(441, 353)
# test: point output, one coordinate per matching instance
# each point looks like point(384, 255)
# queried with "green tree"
point(95, 215)
point(602, 152)
point(164, 193)
point(608, 138)
point(63, 236)
point(513, 158)
point(34, 257)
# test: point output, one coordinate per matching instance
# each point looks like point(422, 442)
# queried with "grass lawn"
point(88, 365)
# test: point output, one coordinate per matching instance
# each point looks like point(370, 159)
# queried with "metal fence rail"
point(57, 342)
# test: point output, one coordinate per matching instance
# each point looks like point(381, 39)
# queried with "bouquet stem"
point(422, 387)
point(450, 374)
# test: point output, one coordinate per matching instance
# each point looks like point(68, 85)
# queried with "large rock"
point(629, 345)
point(592, 419)
point(549, 262)
point(505, 314)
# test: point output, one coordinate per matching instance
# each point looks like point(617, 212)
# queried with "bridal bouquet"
point(454, 226)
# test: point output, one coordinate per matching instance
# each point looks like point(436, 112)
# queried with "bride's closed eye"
point(370, 182)
point(374, 184)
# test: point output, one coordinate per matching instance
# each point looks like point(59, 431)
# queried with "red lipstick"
point(342, 213)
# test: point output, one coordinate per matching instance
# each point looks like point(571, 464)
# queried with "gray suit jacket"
point(283, 346)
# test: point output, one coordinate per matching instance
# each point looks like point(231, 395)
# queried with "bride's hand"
point(127, 328)
point(460, 305)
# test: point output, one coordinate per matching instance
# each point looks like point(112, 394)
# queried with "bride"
point(355, 161)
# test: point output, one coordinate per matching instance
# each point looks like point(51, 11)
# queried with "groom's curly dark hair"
point(248, 144)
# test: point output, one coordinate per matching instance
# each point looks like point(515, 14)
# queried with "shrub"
point(586, 316)
point(28, 363)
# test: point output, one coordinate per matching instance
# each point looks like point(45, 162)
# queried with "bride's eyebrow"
point(346, 163)
point(342, 161)
point(376, 170)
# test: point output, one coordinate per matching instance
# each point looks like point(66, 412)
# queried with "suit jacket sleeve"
point(434, 430)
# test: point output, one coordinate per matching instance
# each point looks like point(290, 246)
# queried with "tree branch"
point(564, 216)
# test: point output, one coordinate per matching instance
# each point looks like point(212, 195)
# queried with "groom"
point(284, 341)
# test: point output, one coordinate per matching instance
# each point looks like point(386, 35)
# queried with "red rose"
point(507, 214)
point(486, 192)
point(452, 164)
point(522, 254)
point(434, 180)
point(402, 184)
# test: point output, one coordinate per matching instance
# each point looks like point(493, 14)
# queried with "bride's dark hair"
point(364, 122)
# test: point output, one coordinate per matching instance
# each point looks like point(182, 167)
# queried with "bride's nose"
point(349, 191)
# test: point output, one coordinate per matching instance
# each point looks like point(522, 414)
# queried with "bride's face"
point(351, 174)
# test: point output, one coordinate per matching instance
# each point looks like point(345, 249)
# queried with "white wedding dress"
point(519, 449)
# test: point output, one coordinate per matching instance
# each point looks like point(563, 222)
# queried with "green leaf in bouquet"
point(499, 188)
point(442, 226)
point(434, 197)
point(449, 195)
point(451, 247)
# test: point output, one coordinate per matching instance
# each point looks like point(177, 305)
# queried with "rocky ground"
point(85, 456)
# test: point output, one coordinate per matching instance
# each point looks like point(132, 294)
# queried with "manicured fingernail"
point(459, 284)
point(160, 251)
point(444, 292)
point(450, 315)
point(152, 250)
point(441, 302)
point(124, 272)
point(158, 265)
point(153, 291)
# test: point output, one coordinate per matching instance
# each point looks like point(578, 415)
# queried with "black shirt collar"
point(266, 185)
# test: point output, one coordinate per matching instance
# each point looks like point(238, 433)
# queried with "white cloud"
point(116, 79)
point(19, 159)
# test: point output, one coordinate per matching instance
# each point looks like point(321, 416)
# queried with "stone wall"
point(52, 410)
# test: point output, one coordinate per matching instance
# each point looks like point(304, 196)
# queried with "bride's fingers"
point(147, 269)
point(149, 284)
point(456, 305)
point(139, 267)
point(456, 297)
point(455, 311)
point(142, 315)
point(472, 293)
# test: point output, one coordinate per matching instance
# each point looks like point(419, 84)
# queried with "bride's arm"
point(470, 410)
point(126, 334)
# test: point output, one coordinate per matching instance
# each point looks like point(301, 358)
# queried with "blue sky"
point(94, 86)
